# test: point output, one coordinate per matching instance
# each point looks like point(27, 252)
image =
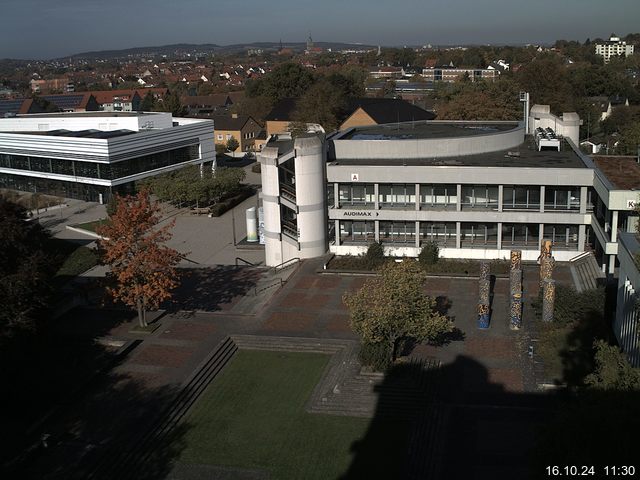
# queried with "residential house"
point(241, 127)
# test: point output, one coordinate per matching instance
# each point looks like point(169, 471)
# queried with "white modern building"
point(613, 48)
point(477, 189)
point(91, 155)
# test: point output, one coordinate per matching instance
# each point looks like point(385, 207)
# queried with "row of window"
point(446, 196)
point(105, 171)
point(480, 235)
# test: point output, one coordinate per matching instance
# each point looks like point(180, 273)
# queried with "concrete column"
point(268, 159)
point(541, 199)
point(309, 164)
point(417, 234)
point(337, 229)
point(540, 235)
point(417, 197)
point(500, 200)
point(614, 226)
point(458, 229)
point(375, 196)
point(499, 244)
point(336, 195)
point(459, 203)
point(377, 230)
point(582, 237)
point(583, 200)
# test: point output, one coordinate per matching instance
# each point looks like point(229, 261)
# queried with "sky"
point(42, 29)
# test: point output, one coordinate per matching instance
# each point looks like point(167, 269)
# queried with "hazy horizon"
point(67, 27)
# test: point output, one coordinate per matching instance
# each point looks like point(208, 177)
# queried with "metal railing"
point(247, 262)
point(287, 264)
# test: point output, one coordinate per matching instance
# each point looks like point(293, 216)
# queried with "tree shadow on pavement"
point(214, 289)
point(112, 432)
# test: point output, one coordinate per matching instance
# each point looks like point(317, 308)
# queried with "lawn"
point(91, 226)
point(73, 259)
point(252, 416)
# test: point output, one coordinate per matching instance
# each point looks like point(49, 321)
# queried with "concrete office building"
point(91, 155)
point(477, 189)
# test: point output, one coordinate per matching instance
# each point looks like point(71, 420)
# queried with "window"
point(356, 194)
point(479, 235)
point(228, 136)
point(443, 234)
point(520, 235)
point(438, 196)
point(398, 232)
point(397, 195)
point(480, 197)
point(357, 232)
point(563, 237)
point(220, 137)
point(562, 198)
point(520, 197)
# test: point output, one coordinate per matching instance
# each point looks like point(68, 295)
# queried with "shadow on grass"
point(454, 423)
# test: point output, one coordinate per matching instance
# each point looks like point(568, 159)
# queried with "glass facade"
point(520, 235)
point(438, 196)
point(397, 195)
point(61, 188)
point(479, 235)
point(357, 232)
point(562, 198)
point(480, 197)
point(443, 234)
point(398, 232)
point(356, 194)
point(105, 171)
point(520, 197)
point(563, 237)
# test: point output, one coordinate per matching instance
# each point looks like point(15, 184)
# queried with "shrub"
point(374, 256)
point(570, 306)
point(429, 254)
point(375, 355)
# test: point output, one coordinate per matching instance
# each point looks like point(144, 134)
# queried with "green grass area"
point(91, 226)
point(252, 416)
point(73, 259)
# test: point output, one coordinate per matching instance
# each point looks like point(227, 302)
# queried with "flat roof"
point(525, 156)
point(81, 133)
point(622, 171)
point(428, 129)
point(88, 114)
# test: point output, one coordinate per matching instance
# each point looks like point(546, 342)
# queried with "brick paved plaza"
point(486, 372)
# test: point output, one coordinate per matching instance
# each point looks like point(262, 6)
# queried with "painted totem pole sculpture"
point(484, 293)
point(515, 290)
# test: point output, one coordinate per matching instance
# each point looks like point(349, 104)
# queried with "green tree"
point(629, 140)
point(481, 100)
point(171, 103)
point(26, 268)
point(429, 254)
point(232, 144)
point(148, 103)
point(323, 104)
point(546, 79)
point(285, 80)
point(613, 371)
point(393, 306)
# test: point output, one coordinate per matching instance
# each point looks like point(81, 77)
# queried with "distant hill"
point(207, 48)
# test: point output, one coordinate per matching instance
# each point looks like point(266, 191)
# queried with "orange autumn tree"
point(133, 247)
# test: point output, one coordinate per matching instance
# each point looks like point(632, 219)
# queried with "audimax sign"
point(359, 213)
